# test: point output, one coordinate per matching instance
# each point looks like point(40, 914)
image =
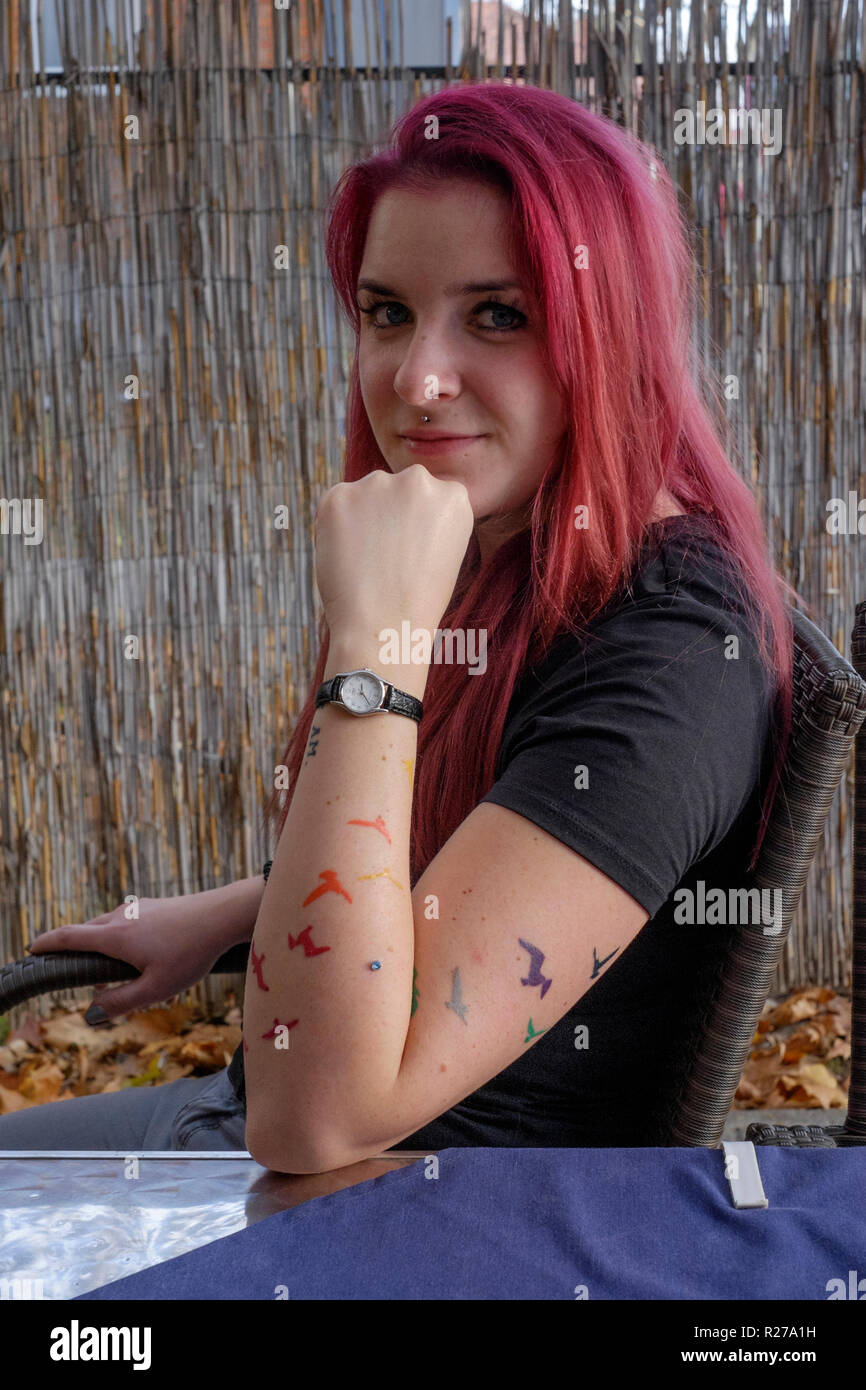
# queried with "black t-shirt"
point(676, 737)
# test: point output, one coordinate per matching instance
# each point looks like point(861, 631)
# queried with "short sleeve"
point(641, 745)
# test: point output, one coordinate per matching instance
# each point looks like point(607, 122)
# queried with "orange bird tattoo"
point(331, 884)
point(303, 939)
point(377, 824)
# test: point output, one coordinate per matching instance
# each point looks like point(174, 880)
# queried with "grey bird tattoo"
point(456, 1000)
point(535, 976)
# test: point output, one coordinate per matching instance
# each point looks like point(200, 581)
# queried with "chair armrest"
point(24, 979)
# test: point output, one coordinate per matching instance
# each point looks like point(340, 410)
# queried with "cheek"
point(377, 383)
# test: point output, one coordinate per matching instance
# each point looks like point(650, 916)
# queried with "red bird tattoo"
point(257, 967)
point(377, 824)
point(276, 1025)
point(331, 884)
point(303, 939)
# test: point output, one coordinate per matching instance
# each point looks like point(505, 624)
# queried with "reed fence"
point(173, 391)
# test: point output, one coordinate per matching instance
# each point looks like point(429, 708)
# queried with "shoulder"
point(684, 598)
point(666, 683)
point(642, 742)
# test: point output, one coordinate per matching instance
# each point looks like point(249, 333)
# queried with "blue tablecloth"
point(546, 1224)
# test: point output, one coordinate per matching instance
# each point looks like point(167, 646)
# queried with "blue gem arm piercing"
point(376, 965)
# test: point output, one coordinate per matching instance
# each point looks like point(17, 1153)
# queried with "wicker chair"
point(829, 709)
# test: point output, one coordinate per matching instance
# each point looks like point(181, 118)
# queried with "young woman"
point(485, 919)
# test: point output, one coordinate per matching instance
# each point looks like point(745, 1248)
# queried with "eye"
point(499, 306)
point(381, 304)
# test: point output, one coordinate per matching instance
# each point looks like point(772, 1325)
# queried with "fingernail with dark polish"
point(95, 1015)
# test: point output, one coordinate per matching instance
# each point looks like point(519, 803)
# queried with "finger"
point(76, 936)
point(58, 939)
point(104, 917)
point(114, 1002)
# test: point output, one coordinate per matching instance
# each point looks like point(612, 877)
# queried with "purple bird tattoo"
point(535, 976)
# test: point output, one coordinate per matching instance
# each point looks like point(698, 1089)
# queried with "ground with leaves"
point(800, 1055)
point(55, 1058)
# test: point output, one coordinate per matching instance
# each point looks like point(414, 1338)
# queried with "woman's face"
point(430, 333)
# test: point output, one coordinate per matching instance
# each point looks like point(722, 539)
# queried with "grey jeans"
point(196, 1112)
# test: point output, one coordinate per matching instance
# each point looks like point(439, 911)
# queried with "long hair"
point(582, 192)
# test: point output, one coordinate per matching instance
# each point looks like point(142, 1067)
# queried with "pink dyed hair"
point(618, 342)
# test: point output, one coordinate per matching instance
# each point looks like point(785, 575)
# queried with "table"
point(72, 1222)
point(464, 1223)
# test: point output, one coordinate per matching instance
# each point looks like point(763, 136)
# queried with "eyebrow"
point(451, 290)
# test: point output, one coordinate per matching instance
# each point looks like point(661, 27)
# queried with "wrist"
point(232, 909)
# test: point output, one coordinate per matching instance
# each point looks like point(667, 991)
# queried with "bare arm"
point(173, 942)
point(235, 908)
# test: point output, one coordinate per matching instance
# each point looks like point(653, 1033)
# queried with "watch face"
point(362, 692)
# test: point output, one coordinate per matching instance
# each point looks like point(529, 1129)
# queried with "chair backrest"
point(829, 706)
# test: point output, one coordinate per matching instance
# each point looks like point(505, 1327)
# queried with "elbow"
point(279, 1159)
point(279, 1154)
point(272, 1150)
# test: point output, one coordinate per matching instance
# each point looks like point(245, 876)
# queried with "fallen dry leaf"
point(813, 1085)
point(28, 1031)
point(792, 1010)
point(212, 1054)
point(809, 1029)
point(165, 1019)
point(10, 1101)
point(42, 1081)
point(802, 1043)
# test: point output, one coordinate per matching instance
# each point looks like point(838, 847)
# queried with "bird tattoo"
point(597, 964)
point(330, 884)
point(377, 824)
point(456, 1000)
point(303, 939)
point(382, 873)
point(535, 976)
point(257, 962)
point(276, 1024)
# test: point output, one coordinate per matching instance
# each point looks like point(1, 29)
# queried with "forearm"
point(339, 890)
point(233, 908)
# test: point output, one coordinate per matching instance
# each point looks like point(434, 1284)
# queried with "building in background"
point(137, 30)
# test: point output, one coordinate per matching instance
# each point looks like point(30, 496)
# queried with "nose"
point(428, 371)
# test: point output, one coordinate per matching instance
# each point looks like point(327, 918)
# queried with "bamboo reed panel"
point(155, 258)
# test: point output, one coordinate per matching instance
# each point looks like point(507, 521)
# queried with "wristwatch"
point(363, 692)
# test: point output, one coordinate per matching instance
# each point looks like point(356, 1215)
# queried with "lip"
point(436, 442)
point(437, 434)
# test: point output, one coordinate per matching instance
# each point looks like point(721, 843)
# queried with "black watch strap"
point(328, 691)
point(401, 703)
